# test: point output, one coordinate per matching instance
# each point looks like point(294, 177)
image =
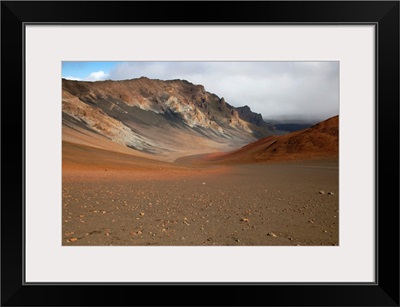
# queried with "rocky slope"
point(256, 119)
point(167, 118)
point(318, 141)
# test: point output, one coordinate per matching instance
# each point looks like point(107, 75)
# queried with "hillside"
point(318, 141)
point(159, 118)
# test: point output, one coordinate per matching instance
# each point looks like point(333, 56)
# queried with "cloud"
point(97, 76)
point(286, 91)
point(72, 78)
point(94, 76)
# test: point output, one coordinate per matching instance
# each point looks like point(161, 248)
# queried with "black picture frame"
point(383, 14)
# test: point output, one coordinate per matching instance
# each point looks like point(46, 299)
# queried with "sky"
point(280, 91)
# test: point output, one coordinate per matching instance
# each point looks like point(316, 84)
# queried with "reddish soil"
point(319, 141)
point(113, 198)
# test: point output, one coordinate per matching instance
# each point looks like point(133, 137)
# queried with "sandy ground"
point(162, 204)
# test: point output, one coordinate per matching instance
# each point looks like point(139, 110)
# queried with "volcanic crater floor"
point(279, 204)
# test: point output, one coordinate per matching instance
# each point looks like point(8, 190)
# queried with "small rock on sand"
point(271, 234)
point(331, 193)
point(321, 192)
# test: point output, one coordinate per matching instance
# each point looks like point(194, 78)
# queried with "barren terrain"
point(152, 162)
point(114, 199)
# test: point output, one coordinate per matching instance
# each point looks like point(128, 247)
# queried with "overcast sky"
point(285, 91)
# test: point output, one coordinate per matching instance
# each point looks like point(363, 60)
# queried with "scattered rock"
point(321, 192)
point(271, 234)
point(331, 193)
point(203, 183)
point(141, 213)
point(182, 238)
point(94, 232)
point(244, 219)
point(290, 239)
point(73, 240)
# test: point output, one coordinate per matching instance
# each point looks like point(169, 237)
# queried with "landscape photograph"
point(200, 153)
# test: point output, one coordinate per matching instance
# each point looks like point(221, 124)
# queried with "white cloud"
point(94, 76)
point(72, 78)
point(97, 76)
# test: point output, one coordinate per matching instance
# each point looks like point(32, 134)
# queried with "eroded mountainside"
point(146, 117)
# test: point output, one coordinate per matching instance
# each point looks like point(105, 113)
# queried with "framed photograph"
point(239, 146)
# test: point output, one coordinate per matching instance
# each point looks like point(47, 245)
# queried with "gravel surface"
point(264, 204)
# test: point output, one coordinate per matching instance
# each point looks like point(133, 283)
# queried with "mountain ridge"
point(156, 117)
